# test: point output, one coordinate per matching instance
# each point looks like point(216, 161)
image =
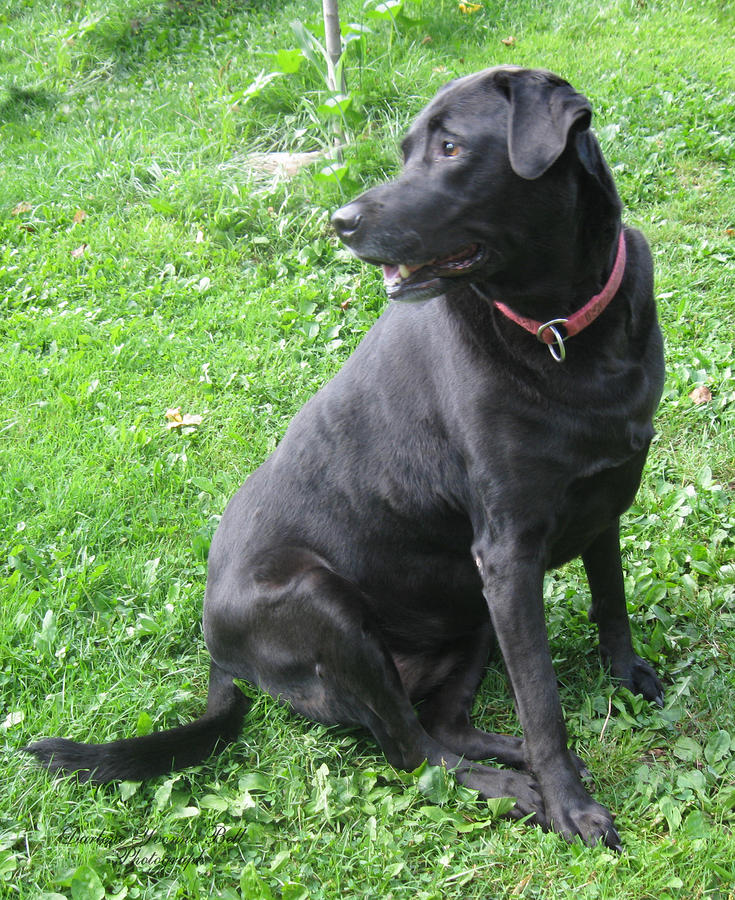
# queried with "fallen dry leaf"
point(701, 394)
point(521, 886)
point(510, 41)
point(79, 216)
point(427, 39)
point(79, 251)
point(186, 422)
point(469, 8)
point(21, 208)
point(283, 165)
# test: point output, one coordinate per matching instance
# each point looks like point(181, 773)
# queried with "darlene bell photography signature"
point(151, 849)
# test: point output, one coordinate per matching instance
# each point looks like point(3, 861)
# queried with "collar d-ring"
point(556, 342)
point(547, 332)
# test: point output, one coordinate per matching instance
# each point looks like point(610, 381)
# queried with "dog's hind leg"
point(445, 714)
point(605, 575)
point(304, 636)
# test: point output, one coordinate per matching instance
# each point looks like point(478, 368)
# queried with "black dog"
point(416, 501)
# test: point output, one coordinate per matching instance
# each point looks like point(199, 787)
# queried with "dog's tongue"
point(391, 274)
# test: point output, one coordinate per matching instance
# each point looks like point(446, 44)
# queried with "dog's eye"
point(449, 148)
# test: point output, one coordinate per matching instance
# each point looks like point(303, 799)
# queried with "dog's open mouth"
point(400, 279)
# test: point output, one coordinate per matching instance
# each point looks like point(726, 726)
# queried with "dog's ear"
point(590, 155)
point(544, 110)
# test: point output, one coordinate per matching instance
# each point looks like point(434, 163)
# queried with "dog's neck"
point(563, 259)
point(554, 331)
point(555, 293)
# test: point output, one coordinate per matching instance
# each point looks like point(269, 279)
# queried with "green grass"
point(204, 287)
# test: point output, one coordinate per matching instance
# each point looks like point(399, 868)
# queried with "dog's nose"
point(347, 220)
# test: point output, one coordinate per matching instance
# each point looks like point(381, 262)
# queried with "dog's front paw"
point(588, 820)
point(639, 677)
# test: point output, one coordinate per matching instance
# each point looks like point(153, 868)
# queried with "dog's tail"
point(139, 758)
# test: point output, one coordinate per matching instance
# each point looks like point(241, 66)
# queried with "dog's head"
point(497, 165)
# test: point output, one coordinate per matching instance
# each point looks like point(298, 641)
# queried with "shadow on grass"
point(140, 39)
point(22, 101)
point(146, 36)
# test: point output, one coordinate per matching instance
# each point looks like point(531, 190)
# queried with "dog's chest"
point(590, 505)
point(545, 475)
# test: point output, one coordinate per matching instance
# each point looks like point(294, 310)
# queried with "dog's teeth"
point(403, 271)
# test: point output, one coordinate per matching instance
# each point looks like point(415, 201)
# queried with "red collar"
point(548, 333)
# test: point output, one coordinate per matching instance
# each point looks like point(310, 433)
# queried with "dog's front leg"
point(512, 579)
point(605, 575)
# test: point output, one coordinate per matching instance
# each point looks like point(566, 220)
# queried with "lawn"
point(148, 264)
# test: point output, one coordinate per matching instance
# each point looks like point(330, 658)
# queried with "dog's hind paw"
point(582, 770)
point(506, 783)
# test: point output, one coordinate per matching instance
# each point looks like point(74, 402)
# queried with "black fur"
point(416, 501)
point(135, 759)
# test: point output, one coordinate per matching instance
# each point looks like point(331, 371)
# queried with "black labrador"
point(493, 424)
